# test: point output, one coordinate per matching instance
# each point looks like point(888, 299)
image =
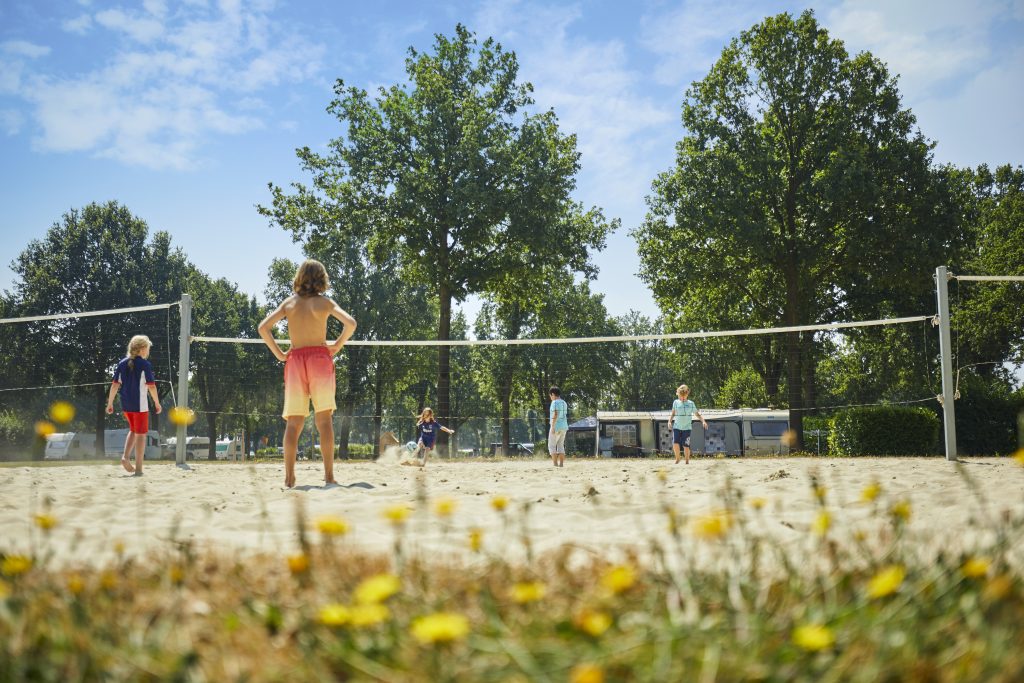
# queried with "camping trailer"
point(196, 447)
point(69, 446)
point(113, 443)
point(730, 432)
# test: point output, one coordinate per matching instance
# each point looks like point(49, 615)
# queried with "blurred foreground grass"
point(720, 601)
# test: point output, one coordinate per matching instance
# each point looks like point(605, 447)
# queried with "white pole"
point(947, 398)
point(183, 361)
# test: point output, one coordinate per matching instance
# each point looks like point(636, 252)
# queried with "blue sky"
point(184, 111)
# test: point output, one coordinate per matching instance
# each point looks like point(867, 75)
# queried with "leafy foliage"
point(884, 430)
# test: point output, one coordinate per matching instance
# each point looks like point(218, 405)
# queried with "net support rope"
point(595, 340)
point(86, 314)
point(990, 278)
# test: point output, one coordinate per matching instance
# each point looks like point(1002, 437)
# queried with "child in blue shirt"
point(559, 419)
point(681, 421)
point(426, 434)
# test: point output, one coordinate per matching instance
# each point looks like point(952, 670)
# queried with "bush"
point(884, 430)
point(986, 417)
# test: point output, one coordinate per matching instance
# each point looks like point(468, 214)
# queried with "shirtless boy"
point(309, 365)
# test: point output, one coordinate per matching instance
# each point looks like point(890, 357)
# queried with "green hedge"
point(986, 417)
point(884, 430)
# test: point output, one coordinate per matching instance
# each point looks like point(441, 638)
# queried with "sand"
point(600, 506)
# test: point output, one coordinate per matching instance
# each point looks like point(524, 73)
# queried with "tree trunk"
point(506, 416)
point(444, 325)
point(378, 407)
point(794, 375)
point(211, 427)
point(348, 403)
point(101, 422)
point(810, 366)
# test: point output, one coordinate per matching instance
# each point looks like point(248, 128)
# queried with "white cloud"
point(11, 121)
point(169, 83)
point(80, 24)
point(23, 48)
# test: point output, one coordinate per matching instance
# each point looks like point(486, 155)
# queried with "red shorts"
point(138, 423)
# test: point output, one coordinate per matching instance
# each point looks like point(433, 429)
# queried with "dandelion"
point(444, 507)
point(531, 591)
point(361, 616)
point(663, 475)
point(1019, 456)
point(376, 589)
point(108, 580)
point(819, 492)
point(440, 627)
point(332, 526)
point(62, 412)
point(75, 584)
point(176, 574)
point(297, 564)
point(593, 623)
point(333, 615)
point(586, 673)
point(13, 565)
point(997, 588)
point(886, 582)
point(713, 526)
point(45, 521)
point(396, 514)
point(181, 417)
point(44, 428)
point(618, 579)
point(813, 637)
point(901, 511)
point(822, 523)
point(976, 567)
point(499, 503)
point(476, 539)
point(870, 492)
point(758, 503)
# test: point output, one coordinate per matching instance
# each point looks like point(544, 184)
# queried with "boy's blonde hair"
point(311, 279)
point(427, 414)
point(137, 344)
point(683, 389)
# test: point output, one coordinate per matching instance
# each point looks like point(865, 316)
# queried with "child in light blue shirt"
point(681, 421)
point(559, 418)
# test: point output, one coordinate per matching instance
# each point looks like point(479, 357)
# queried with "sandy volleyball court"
point(601, 506)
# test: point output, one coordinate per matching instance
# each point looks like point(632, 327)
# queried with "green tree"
point(647, 376)
point(95, 258)
point(450, 173)
point(802, 191)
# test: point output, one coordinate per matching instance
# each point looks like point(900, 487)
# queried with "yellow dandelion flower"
point(368, 615)
point(813, 637)
point(618, 579)
point(886, 582)
point(593, 623)
point(333, 615)
point(13, 565)
point(62, 412)
point(444, 507)
point(822, 523)
point(819, 492)
point(530, 591)
point(44, 428)
point(75, 584)
point(476, 539)
point(758, 503)
point(297, 564)
point(499, 503)
point(713, 526)
point(108, 580)
point(870, 492)
point(176, 574)
point(332, 526)
point(440, 627)
point(901, 511)
point(997, 588)
point(181, 417)
point(1019, 456)
point(376, 589)
point(586, 673)
point(859, 536)
point(396, 514)
point(976, 567)
point(45, 521)
point(663, 475)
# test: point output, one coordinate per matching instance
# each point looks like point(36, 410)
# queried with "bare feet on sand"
point(127, 465)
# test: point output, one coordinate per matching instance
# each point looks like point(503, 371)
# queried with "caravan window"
point(621, 434)
point(764, 428)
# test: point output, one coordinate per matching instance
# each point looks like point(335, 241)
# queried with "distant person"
point(133, 379)
point(559, 427)
point(681, 421)
point(426, 434)
point(309, 364)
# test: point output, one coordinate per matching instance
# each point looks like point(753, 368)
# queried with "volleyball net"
point(497, 399)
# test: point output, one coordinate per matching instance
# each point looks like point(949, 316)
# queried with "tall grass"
point(720, 600)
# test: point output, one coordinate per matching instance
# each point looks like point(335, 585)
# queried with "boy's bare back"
point(307, 323)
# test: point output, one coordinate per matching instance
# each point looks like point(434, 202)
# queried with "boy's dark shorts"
point(681, 437)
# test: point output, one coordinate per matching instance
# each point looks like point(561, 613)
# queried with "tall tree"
point(647, 377)
point(450, 173)
point(802, 190)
